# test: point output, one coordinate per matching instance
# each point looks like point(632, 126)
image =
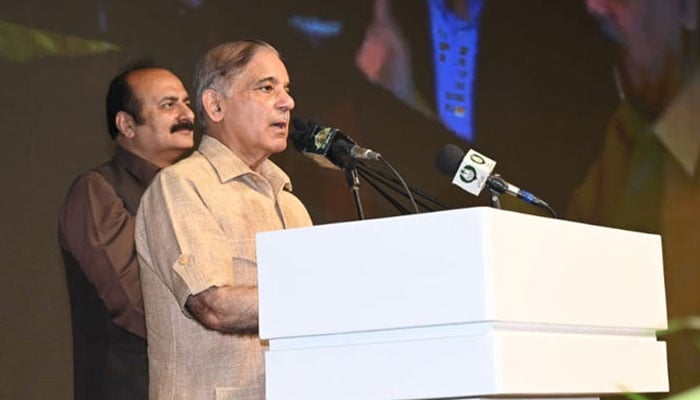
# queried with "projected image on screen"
point(591, 104)
point(386, 56)
point(646, 178)
point(452, 30)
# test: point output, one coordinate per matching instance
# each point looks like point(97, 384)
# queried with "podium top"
point(454, 267)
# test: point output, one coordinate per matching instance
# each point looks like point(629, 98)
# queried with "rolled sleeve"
point(180, 239)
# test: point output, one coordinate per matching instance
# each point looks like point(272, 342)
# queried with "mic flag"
point(313, 141)
point(328, 147)
point(470, 173)
point(474, 171)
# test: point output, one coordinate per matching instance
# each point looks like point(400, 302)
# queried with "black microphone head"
point(449, 159)
point(329, 147)
point(301, 132)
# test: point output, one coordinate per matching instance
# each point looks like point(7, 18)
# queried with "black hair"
point(120, 96)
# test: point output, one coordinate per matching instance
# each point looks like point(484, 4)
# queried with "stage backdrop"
point(528, 83)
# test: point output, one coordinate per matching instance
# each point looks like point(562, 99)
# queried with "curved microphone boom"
point(473, 171)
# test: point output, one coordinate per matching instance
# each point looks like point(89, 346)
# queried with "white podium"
point(460, 304)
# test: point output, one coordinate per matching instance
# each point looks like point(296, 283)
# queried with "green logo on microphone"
point(467, 174)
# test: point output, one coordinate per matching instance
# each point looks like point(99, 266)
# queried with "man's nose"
point(185, 112)
point(286, 101)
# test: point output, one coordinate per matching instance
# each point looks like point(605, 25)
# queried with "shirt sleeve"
point(180, 239)
point(98, 231)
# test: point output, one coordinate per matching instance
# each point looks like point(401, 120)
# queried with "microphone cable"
point(403, 183)
point(423, 199)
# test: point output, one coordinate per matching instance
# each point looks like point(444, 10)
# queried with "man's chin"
point(184, 142)
point(280, 147)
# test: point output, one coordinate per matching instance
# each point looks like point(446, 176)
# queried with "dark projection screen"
point(529, 83)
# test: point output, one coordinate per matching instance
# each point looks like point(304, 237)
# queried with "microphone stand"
point(353, 180)
point(495, 198)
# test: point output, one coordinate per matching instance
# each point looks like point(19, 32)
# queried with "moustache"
point(182, 126)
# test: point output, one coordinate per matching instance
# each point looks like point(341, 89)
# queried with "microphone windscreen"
point(449, 159)
point(300, 132)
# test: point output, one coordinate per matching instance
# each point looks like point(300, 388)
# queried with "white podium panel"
point(462, 303)
point(499, 362)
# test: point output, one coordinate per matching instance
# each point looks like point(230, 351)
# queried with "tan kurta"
point(196, 229)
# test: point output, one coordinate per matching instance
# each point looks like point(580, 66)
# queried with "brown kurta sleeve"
point(98, 231)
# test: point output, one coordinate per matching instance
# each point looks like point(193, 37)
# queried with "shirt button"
point(182, 260)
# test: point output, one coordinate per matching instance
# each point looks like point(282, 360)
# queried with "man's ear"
point(689, 14)
point(125, 123)
point(213, 105)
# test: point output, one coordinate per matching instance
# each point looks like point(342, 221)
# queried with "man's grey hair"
point(219, 66)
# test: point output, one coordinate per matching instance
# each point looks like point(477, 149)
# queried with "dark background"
point(543, 95)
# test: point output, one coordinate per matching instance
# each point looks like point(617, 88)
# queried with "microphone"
point(474, 171)
point(328, 147)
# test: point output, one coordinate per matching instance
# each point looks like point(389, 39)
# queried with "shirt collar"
point(633, 126)
point(229, 166)
point(143, 170)
point(678, 127)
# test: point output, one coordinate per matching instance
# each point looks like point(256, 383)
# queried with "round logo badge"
point(467, 174)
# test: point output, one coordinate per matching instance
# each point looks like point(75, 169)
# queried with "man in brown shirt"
point(196, 226)
point(149, 117)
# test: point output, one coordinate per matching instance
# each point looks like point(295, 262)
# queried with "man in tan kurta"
point(196, 226)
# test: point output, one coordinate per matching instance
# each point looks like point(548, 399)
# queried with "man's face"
point(167, 128)
point(257, 109)
point(649, 32)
